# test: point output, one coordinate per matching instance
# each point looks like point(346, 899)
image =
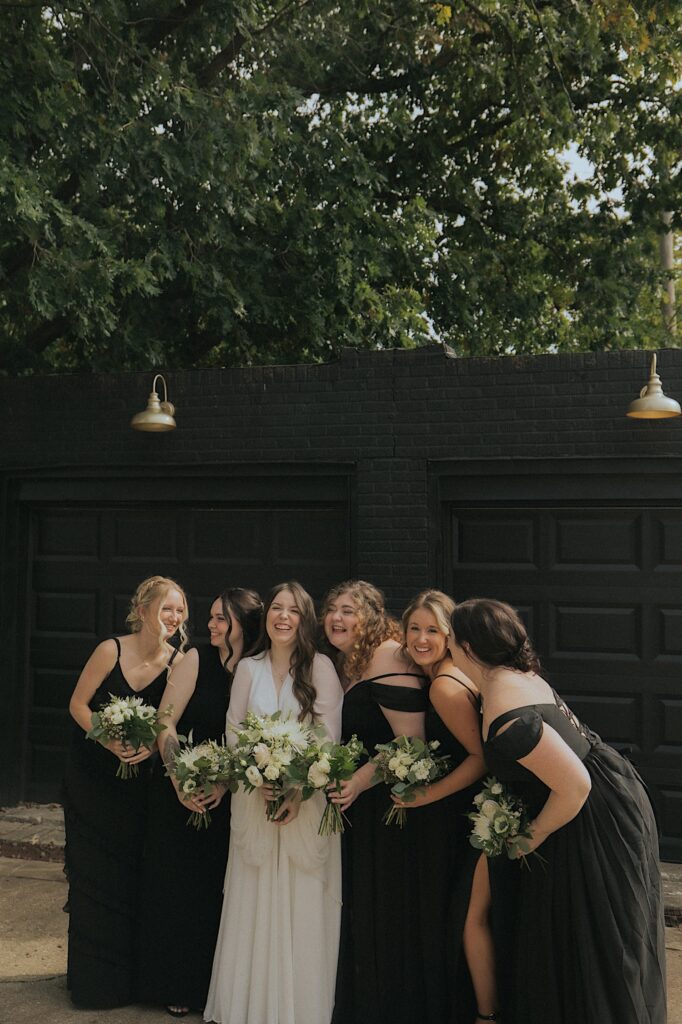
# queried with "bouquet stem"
point(332, 820)
point(272, 807)
point(199, 820)
point(395, 814)
point(127, 771)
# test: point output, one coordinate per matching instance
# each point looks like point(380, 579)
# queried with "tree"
point(204, 182)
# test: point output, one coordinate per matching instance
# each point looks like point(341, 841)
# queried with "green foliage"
point(204, 182)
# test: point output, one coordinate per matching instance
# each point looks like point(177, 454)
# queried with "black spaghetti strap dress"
point(442, 888)
point(579, 937)
point(104, 820)
point(184, 868)
point(379, 980)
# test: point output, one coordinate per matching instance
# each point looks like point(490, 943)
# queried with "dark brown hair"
point(495, 634)
point(246, 606)
point(304, 652)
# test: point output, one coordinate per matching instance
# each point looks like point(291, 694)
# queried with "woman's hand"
point(421, 799)
point(343, 794)
point(199, 801)
point(289, 809)
point(126, 754)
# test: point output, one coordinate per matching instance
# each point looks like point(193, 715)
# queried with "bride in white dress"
point(275, 961)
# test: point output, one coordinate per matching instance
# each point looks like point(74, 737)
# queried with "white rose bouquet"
point(266, 751)
point(501, 822)
point(407, 764)
point(200, 768)
point(322, 765)
point(131, 721)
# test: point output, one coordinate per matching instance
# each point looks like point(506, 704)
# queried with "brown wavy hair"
point(374, 626)
point(303, 655)
point(441, 607)
point(495, 633)
point(246, 606)
point(147, 592)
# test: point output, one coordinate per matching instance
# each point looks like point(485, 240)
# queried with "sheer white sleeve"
point(239, 701)
point(329, 701)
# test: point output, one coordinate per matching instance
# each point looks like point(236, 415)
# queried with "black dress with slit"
point(379, 977)
point(580, 936)
point(184, 868)
point(443, 888)
point(104, 818)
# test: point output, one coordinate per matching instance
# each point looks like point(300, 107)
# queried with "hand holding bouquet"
point(501, 822)
point(130, 721)
point(267, 746)
point(323, 766)
point(199, 769)
point(407, 764)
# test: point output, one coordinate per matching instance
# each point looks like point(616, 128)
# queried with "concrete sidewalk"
point(33, 933)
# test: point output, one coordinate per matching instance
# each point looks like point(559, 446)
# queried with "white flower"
point(146, 713)
point(318, 774)
point(489, 808)
point(496, 788)
point(421, 769)
point(393, 764)
point(478, 799)
point(116, 718)
point(434, 744)
point(482, 828)
point(271, 772)
point(254, 776)
point(188, 786)
point(261, 754)
point(401, 772)
point(501, 824)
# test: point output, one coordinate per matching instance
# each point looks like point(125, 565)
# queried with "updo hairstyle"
point(495, 634)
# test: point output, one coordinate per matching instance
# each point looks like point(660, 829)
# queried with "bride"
point(275, 961)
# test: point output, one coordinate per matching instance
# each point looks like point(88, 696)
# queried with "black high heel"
point(487, 1016)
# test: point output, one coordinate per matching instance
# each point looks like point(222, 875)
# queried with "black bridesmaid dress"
point(184, 867)
point(104, 819)
point(442, 889)
point(379, 977)
point(579, 937)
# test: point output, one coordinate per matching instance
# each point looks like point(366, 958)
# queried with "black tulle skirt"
point(580, 936)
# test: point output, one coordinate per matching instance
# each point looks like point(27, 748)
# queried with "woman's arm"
point(178, 693)
point(329, 699)
point(555, 764)
point(457, 711)
point(95, 671)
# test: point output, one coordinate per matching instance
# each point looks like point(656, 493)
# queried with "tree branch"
point(165, 26)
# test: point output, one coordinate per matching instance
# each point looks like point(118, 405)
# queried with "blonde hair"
point(150, 590)
point(441, 607)
point(374, 626)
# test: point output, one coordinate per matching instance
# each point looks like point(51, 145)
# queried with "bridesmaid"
point(379, 978)
point(104, 816)
point(451, 886)
point(174, 964)
point(581, 935)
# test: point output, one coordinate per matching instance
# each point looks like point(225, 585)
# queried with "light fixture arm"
point(161, 377)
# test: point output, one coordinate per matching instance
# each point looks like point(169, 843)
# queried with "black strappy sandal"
point(487, 1016)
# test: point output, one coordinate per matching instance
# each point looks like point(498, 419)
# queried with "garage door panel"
point(596, 543)
point(595, 631)
point(497, 540)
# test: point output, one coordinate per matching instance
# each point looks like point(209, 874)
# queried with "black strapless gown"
point(580, 937)
point(184, 868)
point(442, 887)
point(380, 978)
point(104, 819)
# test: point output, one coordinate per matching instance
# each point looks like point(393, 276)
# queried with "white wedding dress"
point(275, 961)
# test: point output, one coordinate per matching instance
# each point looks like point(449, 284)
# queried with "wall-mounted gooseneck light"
point(158, 415)
point(652, 404)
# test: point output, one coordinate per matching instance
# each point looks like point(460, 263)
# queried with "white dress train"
point(275, 960)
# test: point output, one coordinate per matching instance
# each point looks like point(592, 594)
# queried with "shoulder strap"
point(388, 675)
point(118, 647)
point(446, 675)
point(172, 657)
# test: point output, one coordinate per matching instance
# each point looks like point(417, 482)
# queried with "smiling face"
point(426, 643)
point(283, 619)
point(341, 622)
point(220, 627)
point(169, 610)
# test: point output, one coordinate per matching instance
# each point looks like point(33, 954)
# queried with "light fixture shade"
point(652, 403)
point(158, 416)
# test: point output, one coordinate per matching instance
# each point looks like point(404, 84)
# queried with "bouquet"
point(266, 751)
point(200, 767)
point(131, 721)
point(324, 764)
point(407, 764)
point(501, 822)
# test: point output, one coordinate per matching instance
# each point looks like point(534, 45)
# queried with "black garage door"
point(601, 591)
point(85, 561)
